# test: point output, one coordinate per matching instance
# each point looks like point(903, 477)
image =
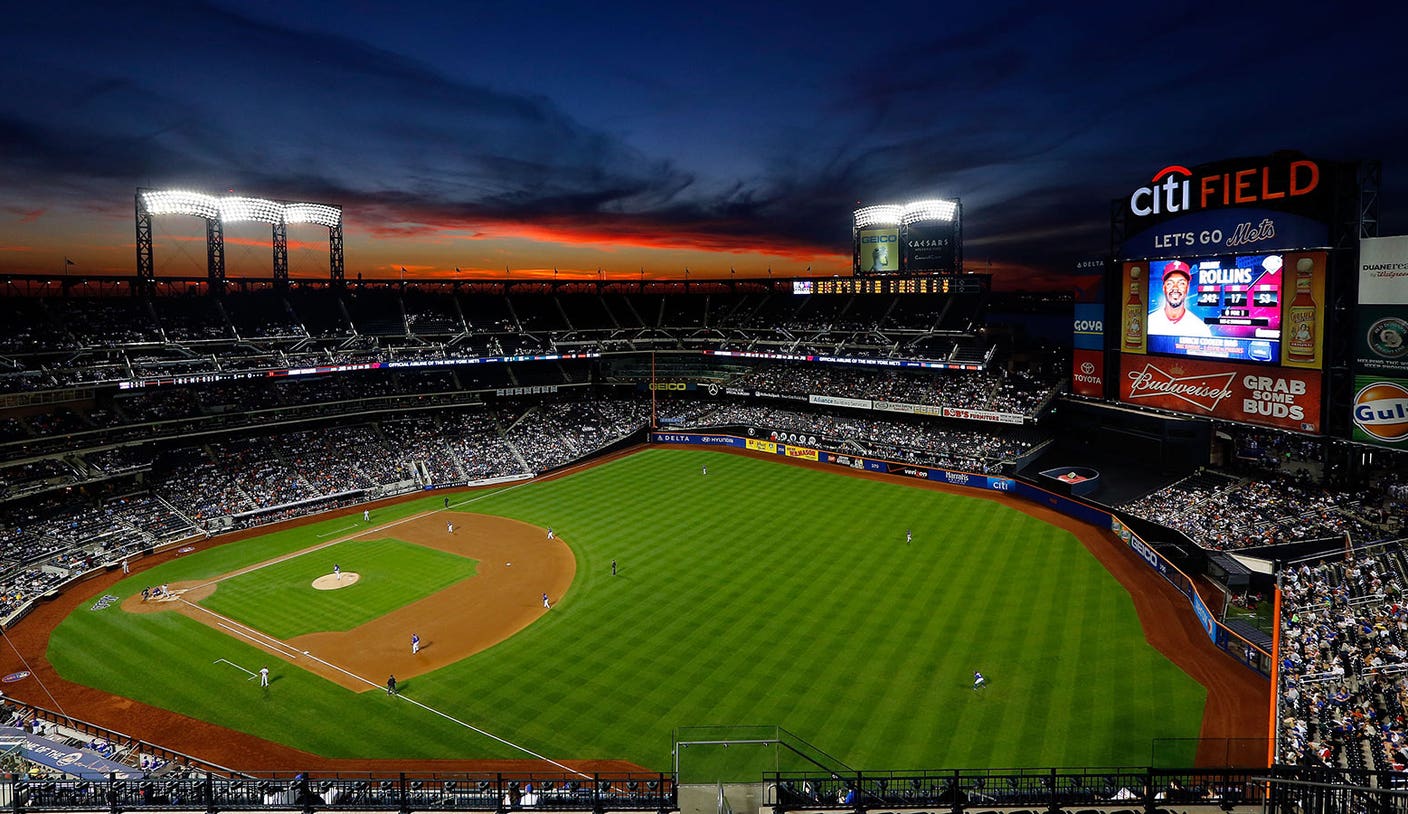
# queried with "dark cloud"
point(1034, 115)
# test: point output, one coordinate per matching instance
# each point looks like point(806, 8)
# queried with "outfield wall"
point(794, 445)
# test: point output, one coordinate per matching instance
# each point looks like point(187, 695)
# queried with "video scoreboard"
point(939, 284)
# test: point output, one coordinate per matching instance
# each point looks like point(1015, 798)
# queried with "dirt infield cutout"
point(517, 565)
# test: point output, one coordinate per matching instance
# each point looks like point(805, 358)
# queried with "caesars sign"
point(1275, 397)
point(1244, 204)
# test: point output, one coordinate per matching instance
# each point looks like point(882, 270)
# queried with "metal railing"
point(404, 792)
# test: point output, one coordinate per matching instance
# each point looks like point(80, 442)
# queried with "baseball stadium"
point(867, 543)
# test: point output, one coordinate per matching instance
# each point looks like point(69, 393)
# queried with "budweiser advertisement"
point(1088, 373)
point(1273, 396)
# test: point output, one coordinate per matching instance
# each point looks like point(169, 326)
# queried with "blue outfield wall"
point(1240, 649)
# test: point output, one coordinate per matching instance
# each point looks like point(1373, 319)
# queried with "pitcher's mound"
point(331, 582)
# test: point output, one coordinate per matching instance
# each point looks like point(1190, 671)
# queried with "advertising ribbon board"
point(1272, 396)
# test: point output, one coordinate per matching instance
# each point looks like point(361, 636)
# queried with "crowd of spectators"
point(456, 447)
point(17, 479)
point(554, 434)
point(1221, 512)
point(207, 488)
point(1343, 691)
point(925, 443)
point(997, 391)
point(63, 341)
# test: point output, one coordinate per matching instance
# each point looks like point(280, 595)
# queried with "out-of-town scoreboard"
point(941, 284)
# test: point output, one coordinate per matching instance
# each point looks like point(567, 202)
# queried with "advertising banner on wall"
point(1381, 411)
point(1381, 321)
point(1383, 270)
point(879, 250)
point(1275, 397)
point(929, 246)
point(1089, 327)
point(1088, 373)
point(1381, 341)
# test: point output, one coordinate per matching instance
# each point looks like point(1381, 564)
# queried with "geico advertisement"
point(879, 249)
point(1276, 397)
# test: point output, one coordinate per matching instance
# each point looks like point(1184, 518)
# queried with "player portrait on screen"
point(1173, 318)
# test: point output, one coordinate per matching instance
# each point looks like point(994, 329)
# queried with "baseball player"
point(978, 681)
point(545, 601)
point(366, 515)
point(263, 676)
point(337, 571)
point(415, 644)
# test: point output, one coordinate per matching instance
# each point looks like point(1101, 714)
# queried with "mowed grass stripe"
point(772, 594)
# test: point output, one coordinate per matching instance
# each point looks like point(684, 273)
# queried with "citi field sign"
point(1381, 411)
point(1245, 204)
point(1173, 187)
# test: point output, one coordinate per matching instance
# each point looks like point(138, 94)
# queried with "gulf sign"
point(1381, 411)
point(1272, 396)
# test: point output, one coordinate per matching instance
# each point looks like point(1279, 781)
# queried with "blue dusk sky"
point(660, 136)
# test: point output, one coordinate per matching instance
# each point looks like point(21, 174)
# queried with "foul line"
point(336, 531)
point(295, 554)
point(291, 653)
point(495, 737)
point(273, 644)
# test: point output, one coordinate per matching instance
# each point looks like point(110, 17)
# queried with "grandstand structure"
point(180, 410)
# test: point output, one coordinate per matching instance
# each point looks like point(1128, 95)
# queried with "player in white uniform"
point(1174, 318)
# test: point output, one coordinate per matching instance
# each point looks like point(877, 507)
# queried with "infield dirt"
point(517, 565)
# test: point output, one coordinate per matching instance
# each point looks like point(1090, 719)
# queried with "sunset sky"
point(659, 136)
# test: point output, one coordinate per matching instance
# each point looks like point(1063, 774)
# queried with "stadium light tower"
point(931, 237)
point(217, 211)
point(924, 236)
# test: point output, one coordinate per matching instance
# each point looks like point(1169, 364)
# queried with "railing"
point(1053, 789)
point(404, 792)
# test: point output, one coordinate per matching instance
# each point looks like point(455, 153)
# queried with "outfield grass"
point(276, 598)
point(759, 594)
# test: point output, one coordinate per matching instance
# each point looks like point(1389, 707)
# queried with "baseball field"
point(760, 593)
